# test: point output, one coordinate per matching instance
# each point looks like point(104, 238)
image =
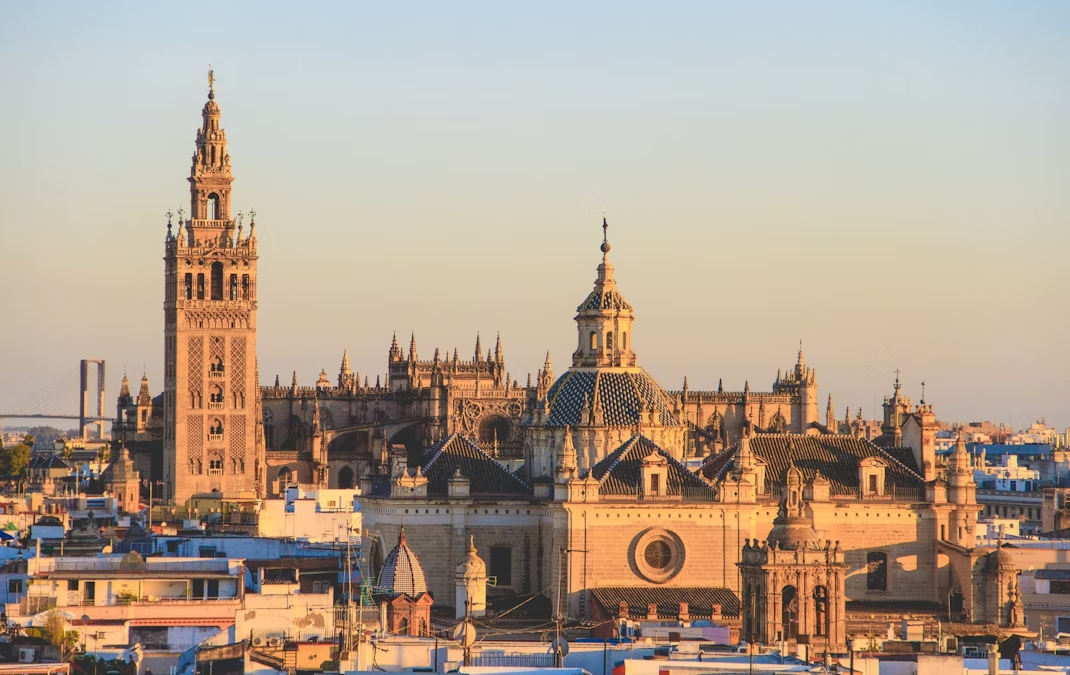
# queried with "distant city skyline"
point(885, 183)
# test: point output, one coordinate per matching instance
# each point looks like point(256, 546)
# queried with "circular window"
point(657, 555)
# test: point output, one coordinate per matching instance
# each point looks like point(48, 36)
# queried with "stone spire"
point(345, 373)
point(566, 466)
point(830, 416)
point(479, 351)
point(412, 347)
point(959, 462)
point(143, 396)
point(395, 351)
point(604, 320)
point(124, 391)
point(499, 354)
point(316, 415)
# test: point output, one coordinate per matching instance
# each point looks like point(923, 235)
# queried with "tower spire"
point(604, 320)
point(210, 178)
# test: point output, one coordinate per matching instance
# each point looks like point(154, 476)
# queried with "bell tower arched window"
point(624, 340)
point(233, 286)
point(594, 341)
point(609, 341)
point(188, 293)
point(213, 204)
point(245, 287)
point(217, 281)
point(200, 286)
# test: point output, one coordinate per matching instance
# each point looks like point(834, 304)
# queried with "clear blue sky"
point(888, 182)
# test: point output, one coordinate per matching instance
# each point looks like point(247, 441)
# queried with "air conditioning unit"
point(258, 642)
point(275, 642)
point(26, 654)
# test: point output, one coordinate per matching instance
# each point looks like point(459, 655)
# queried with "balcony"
point(215, 374)
point(215, 406)
point(215, 437)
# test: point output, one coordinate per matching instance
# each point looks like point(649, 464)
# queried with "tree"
point(56, 634)
point(14, 459)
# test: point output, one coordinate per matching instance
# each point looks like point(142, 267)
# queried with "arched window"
point(345, 478)
point(821, 611)
point(285, 478)
point(215, 465)
point(216, 366)
point(213, 205)
point(200, 287)
point(216, 428)
point(501, 564)
point(188, 293)
point(623, 340)
point(609, 341)
point(217, 395)
point(245, 287)
point(403, 626)
point(233, 286)
point(594, 341)
point(217, 281)
point(423, 627)
point(789, 612)
point(877, 571)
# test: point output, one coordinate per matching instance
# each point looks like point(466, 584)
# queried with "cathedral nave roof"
point(621, 471)
point(700, 600)
point(836, 457)
point(486, 476)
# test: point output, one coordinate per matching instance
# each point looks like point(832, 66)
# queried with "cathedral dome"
point(402, 571)
point(624, 398)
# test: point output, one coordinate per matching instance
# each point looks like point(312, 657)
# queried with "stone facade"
point(211, 419)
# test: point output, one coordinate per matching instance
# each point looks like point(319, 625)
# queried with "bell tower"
point(211, 429)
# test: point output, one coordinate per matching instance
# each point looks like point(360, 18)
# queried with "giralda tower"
point(212, 429)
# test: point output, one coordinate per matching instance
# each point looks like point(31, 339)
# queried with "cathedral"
point(631, 499)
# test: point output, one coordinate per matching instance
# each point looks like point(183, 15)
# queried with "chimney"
point(652, 612)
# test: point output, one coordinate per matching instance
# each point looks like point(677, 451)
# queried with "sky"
point(886, 182)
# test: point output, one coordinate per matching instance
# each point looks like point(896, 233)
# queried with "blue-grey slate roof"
point(623, 394)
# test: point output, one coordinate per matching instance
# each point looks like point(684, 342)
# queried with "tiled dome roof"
point(599, 300)
point(402, 570)
point(623, 395)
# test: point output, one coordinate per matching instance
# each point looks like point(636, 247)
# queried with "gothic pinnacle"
point(295, 379)
point(412, 346)
point(479, 350)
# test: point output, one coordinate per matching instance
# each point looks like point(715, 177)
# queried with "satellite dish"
point(559, 645)
point(465, 633)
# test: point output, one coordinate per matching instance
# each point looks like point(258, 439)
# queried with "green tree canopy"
point(14, 459)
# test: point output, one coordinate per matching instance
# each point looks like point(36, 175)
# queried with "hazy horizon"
point(886, 183)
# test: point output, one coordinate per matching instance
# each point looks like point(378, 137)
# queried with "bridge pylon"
point(83, 407)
